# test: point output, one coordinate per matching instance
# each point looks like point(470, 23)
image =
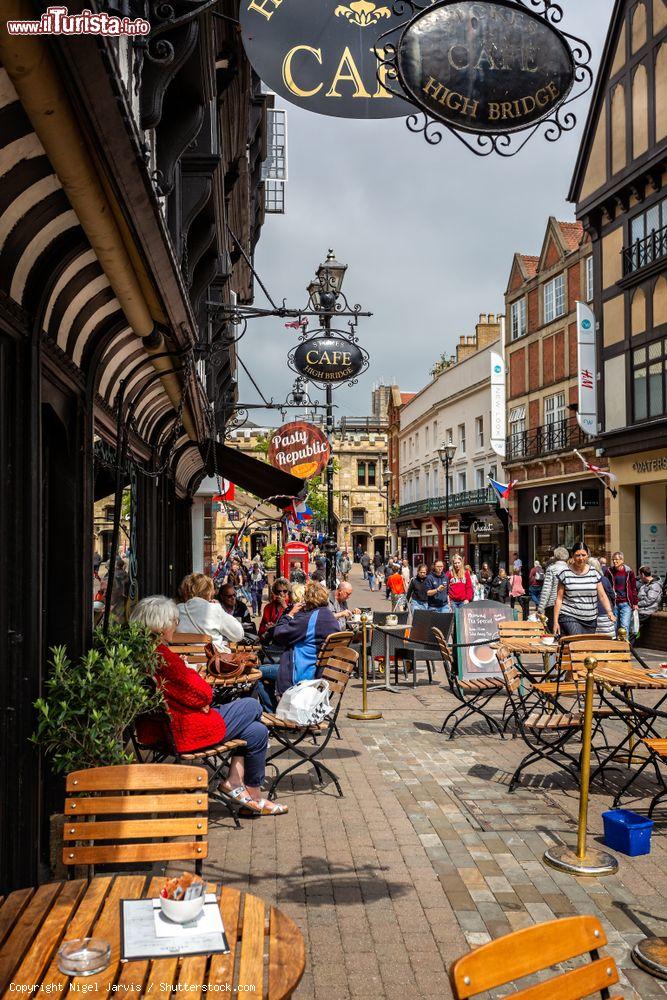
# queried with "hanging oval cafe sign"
point(484, 67)
point(328, 360)
point(299, 448)
point(321, 54)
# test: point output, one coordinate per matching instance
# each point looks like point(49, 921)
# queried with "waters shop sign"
point(488, 67)
point(328, 360)
point(321, 54)
point(299, 448)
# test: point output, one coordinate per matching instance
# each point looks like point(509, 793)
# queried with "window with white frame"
point(449, 435)
point(517, 432)
point(462, 482)
point(417, 490)
point(493, 473)
point(555, 414)
point(427, 484)
point(450, 484)
point(426, 437)
point(480, 479)
point(435, 433)
point(554, 298)
point(518, 319)
point(462, 438)
point(589, 278)
point(479, 432)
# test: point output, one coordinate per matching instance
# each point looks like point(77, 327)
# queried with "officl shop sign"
point(323, 55)
point(328, 360)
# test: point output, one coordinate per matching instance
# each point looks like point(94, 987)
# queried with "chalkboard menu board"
point(477, 623)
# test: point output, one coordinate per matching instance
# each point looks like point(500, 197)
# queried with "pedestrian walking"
point(579, 590)
point(604, 624)
point(649, 594)
point(365, 561)
point(406, 573)
point(518, 593)
point(256, 583)
point(437, 587)
point(417, 593)
point(549, 590)
point(477, 588)
point(624, 582)
point(358, 552)
point(486, 579)
point(459, 584)
point(500, 587)
point(535, 582)
point(344, 566)
point(396, 587)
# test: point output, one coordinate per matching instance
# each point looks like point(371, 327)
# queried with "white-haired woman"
point(195, 724)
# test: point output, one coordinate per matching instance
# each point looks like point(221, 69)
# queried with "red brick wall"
point(573, 284)
point(534, 365)
point(534, 414)
point(574, 394)
point(553, 255)
point(516, 279)
point(559, 360)
point(572, 337)
point(518, 372)
point(533, 310)
point(548, 360)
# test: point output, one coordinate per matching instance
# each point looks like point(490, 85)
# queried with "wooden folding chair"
point(545, 733)
point(520, 630)
point(190, 646)
point(339, 664)
point(513, 957)
point(473, 695)
point(110, 815)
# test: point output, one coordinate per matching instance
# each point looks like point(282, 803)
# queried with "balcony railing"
point(562, 435)
point(641, 253)
point(457, 502)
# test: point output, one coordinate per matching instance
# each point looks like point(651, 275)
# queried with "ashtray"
point(84, 956)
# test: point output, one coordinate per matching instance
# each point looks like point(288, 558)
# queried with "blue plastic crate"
point(627, 832)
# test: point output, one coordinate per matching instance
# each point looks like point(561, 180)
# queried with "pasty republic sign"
point(299, 448)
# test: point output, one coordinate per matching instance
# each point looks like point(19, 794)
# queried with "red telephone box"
point(293, 553)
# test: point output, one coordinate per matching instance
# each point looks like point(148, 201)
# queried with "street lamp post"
point(324, 292)
point(446, 453)
point(386, 479)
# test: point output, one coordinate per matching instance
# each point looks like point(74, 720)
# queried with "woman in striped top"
point(579, 591)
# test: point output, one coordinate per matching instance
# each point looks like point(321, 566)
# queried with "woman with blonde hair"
point(200, 612)
point(459, 582)
point(301, 632)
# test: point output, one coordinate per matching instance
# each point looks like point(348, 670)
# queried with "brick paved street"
point(427, 855)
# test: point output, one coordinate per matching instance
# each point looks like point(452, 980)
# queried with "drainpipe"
point(32, 71)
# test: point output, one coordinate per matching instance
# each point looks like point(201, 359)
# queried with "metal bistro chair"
point(110, 815)
point(511, 958)
point(545, 733)
point(378, 643)
point(340, 663)
point(421, 642)
point(474, 694)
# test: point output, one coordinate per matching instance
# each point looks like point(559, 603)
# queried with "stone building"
point(620, 196)
point(556, 501)
point(455, 407)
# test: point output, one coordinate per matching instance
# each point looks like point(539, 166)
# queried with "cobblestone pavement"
point(428, 855)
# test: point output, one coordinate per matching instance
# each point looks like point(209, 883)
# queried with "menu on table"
point(147, 933)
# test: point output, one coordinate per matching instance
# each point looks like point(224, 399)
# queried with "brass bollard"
point(583, 861)
point(364, 715)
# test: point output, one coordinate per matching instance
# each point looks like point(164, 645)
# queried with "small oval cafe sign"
point(485, 67)
point(299, 448)
point(328, 359)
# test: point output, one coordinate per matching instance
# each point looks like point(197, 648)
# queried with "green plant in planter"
point(90, 703)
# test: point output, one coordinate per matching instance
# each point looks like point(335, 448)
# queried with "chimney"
point(487, 332)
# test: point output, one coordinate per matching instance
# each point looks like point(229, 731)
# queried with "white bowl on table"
point(181, 911)
point(548, 640)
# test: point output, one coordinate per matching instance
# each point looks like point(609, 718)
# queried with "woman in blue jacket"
point(301, 632)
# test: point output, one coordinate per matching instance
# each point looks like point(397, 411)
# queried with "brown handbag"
point(228, 665)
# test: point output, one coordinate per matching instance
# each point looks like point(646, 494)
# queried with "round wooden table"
point(266, 960)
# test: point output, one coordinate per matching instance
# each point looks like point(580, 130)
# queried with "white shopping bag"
point(305, 703)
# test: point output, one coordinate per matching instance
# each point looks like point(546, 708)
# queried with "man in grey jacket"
point(649, 594)
point(550, 585)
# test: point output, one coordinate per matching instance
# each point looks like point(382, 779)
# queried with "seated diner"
point(200, 612)
point(301, 631)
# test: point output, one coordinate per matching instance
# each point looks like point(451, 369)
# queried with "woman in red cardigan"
point(460, 590)
point(195, 724)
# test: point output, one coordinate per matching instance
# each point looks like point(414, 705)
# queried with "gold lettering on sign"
point(451, 98)
point(381, 76)
point(288, 78)
point(352, 76)
point(524, 105)
point(263, 7)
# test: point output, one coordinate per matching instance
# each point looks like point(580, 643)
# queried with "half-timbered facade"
point(620, 194)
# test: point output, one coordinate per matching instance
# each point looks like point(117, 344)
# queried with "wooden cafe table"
point(266, 960)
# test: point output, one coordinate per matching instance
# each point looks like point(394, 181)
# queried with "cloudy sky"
point(428, 233)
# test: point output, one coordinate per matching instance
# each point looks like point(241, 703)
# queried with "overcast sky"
point(428, 234)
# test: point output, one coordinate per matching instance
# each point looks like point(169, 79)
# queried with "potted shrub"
point(90, 704)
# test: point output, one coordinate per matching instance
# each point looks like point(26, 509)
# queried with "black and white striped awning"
point(47, 266)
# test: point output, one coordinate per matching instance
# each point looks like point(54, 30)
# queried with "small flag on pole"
point(298, 324)
point(504, 491)
point(300, 511)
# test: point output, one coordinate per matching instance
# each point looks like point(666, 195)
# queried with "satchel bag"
point(306, 703)
point(228, 664)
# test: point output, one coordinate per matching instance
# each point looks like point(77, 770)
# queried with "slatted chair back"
point(511, 958)
point(511, 673)
point(423, 623)
point(190, 646)
point(446, 653)
point(333, 641)
point(564, 643)
point(339, 665)
point(611, 652)
point(109, 815)
point(520, 630)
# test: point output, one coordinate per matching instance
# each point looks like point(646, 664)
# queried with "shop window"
point(518, 319)
point(649, 366)
point(554, 298)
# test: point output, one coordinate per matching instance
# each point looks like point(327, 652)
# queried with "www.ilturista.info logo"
point(59, 21)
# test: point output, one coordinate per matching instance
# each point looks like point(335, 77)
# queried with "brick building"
point(556, 500)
